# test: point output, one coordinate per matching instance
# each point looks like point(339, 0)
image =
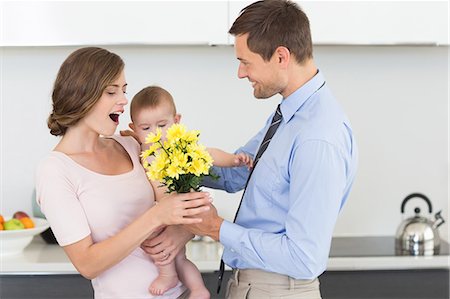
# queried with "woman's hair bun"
point(55, 127)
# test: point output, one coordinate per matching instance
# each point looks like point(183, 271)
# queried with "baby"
point(151, 108)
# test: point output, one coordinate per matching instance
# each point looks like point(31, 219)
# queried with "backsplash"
point(395, 96)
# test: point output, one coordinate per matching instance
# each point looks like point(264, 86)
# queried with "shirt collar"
point(294, 101)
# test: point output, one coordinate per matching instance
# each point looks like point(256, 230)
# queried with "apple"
point(13, 224)
point(20, 214)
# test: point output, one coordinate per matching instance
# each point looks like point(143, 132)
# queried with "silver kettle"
point(418, 235)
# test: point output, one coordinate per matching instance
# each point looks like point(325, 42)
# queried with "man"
point(303, 171)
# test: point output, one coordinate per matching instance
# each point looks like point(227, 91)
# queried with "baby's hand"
point(242, 159)
point(130, 133)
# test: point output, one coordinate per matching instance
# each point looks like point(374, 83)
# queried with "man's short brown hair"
point(274, 23)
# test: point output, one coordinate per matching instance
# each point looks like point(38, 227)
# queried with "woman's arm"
point(159, 190)
point(91, 259)
point(170, 241)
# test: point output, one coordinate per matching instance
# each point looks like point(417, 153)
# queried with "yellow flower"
point(175, 133)
point(198, 167)
point(192, 136)
point(167, 144)
point(206, 157)
point(152, 137)
point(193, 150)
point(145, 155)
point(160, 162)
point(174, 171)
point(153, 148)
point(180, 162)
point(179, 159)
point(153, 174)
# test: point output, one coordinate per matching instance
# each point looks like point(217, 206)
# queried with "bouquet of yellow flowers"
point(180, 162)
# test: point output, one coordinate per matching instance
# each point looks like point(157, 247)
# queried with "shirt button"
point(232, 250)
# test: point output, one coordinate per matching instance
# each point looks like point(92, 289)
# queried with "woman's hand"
point(164, 247)
point(182, 208)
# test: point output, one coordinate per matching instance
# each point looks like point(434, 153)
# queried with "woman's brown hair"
point(274, 23)
point(80, 82)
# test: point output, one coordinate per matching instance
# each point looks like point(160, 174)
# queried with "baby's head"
point(153, 107)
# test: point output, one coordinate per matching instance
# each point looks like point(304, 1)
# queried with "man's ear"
point(283, 56)
point(132, 127)
point(177, 118)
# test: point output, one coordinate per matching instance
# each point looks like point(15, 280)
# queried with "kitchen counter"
point(347, 254)
point(358, 267)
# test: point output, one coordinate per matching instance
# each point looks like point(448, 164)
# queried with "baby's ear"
point(177, 118)
point(131, 125)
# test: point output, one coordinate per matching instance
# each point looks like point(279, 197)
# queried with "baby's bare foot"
point(162, 283)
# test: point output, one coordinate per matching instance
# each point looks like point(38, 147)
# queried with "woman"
point(92, 188)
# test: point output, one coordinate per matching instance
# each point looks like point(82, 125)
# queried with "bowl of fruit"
point(17, 232)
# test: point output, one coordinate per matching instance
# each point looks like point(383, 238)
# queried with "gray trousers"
point(258, 284)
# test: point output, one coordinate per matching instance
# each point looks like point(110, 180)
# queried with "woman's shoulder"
point(52, 159)
point(54, 163)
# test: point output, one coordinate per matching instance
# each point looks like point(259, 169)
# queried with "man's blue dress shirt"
point(297, 189)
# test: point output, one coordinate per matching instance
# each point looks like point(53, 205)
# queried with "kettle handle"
point(402, 209)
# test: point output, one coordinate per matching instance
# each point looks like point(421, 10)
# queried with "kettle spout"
point(439, 220)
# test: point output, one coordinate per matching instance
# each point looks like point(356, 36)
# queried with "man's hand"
point(164, 247)
point(210, 225)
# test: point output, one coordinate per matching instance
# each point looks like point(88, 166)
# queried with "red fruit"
point(20, 214)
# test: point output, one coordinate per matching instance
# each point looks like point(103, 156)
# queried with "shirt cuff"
point(230, 235)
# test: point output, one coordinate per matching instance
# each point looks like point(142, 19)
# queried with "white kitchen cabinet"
point(54, 23)
point(372, 22)
point(61, 23)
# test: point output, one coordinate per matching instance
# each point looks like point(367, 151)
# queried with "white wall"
point(396, 97)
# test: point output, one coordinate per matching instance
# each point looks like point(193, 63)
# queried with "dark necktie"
point(276, 120)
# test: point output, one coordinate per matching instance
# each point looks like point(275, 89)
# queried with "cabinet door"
point(54, 23)
point(39, 286)
point(372, 22)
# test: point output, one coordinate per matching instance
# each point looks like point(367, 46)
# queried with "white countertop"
point(42, 258)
